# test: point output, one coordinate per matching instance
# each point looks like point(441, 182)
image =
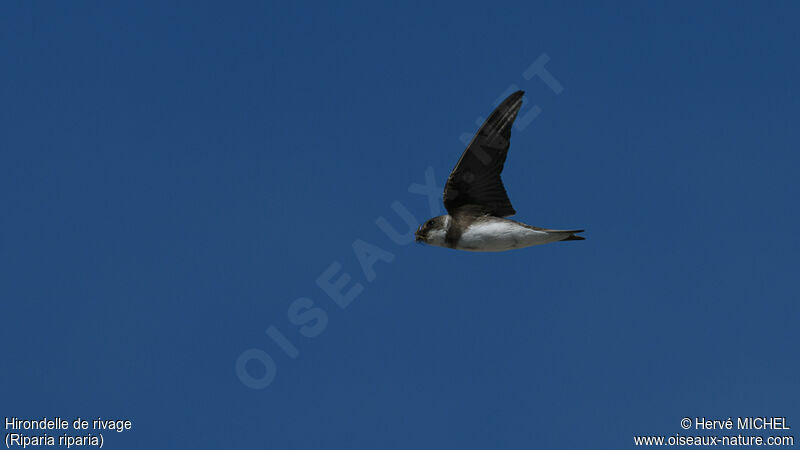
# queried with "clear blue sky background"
point(173, 176)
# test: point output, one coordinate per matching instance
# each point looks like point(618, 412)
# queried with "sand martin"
point(476, 200)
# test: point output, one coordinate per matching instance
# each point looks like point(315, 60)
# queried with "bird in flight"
point(476, 201)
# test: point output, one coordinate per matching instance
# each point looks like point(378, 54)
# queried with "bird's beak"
point(417, 236)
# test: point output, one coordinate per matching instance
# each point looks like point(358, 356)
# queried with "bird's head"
point(433, 231)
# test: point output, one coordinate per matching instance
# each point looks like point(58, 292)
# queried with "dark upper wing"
point(476, 178)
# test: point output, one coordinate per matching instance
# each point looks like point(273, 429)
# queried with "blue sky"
point(175, 176)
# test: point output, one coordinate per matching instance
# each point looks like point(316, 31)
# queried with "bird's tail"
point(572, 236)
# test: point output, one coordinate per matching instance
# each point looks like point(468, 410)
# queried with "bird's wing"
point(476, 178)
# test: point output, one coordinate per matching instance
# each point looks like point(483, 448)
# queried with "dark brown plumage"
point(475, 181)
point(476, 200)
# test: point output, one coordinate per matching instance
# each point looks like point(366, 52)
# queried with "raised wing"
point(475, 180)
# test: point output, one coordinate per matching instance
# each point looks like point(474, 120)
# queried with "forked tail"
point(572, 236)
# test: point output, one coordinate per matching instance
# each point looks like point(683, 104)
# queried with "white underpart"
point(436, 237)
point(501, 235)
